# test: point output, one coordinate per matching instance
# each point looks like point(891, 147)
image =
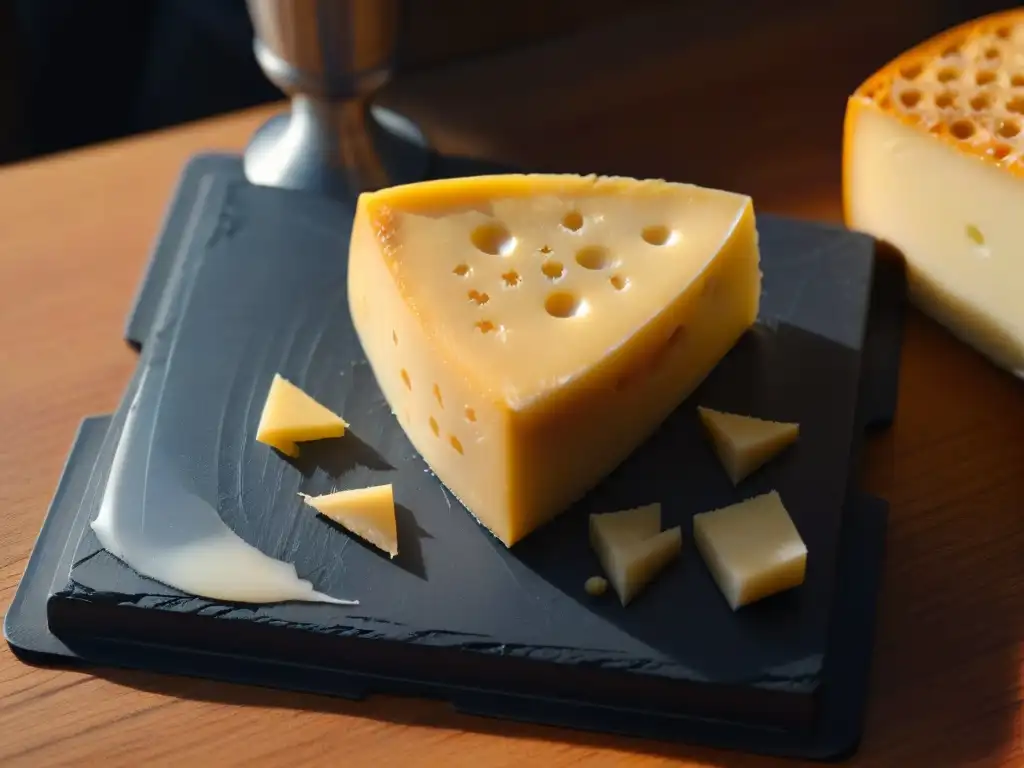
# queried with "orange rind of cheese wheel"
point(964, 86)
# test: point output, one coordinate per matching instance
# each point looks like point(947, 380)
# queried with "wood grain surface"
point(753, 109)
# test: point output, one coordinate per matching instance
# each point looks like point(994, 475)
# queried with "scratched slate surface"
point(456, 608)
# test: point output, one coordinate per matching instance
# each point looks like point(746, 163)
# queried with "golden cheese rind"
point(964, 87)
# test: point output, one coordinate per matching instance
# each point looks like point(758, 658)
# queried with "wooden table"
point(74, 235)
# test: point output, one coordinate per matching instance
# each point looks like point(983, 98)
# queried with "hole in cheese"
point(537, 339)
point(1008, 128)
point(394, 337)
point(437, 395)
point(974, 234)
point(981, 102)
point(456, 444)
point(461, 270)
point(665, 347)
point(911, 71)
point(980, 79)
point(406, 379)
point(545, 249)
point(573, 221)
point(962, 129)
point(494, 239)
point(564, 304)
point(434, 427)
point(593, 257)
point(479, 298)
point(619, 283)
point(910, 97)
point(511, 278)
point(552, 269)
point(657, 235)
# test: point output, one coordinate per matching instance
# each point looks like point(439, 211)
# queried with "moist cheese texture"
point(369, 513)
point(934, 164)
point(290, 416)
point(745, 443)
point(530, 332)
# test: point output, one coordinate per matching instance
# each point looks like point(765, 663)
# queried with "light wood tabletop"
point(75, 232)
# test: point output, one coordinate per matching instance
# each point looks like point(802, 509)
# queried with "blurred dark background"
point(76, 72)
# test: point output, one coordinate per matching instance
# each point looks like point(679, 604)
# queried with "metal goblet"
point(330, 57)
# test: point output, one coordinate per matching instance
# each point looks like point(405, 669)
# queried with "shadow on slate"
point(456, 610)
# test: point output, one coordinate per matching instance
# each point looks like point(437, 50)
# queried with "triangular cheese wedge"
point(630, 548)
point(291, 416)
point(632, 565)
point(531, 331)
point(369, 513)
point(745, 443)
point(625, 527)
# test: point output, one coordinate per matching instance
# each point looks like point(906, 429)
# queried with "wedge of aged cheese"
point(752, 549)
point(934, 164)
point(745, 443)
point(529, 332)
point(291, 416)
point(631, 549)
point(369, 513)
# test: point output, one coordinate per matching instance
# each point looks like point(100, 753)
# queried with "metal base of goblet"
point(336, 149)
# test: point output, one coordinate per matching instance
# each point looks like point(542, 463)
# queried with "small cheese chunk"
point(596, 586)
point(530, 332)
point(369, 513)
point(752, 549)
point(629, 525)
point(630, 548)
point(745, 443)
point(291, 416)
point(934, 164)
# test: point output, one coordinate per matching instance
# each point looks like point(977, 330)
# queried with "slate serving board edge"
point(138, 328)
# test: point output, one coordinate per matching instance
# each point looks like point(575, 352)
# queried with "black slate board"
point(518, 639)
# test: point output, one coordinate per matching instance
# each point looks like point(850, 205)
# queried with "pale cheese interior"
point(752, 549)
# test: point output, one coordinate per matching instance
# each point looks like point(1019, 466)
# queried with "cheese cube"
point(530, 332)
point(630, 548)
point(291, 416)
point(369, 513)
point(752, 549)
point(934, 164)
point(745, 443)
